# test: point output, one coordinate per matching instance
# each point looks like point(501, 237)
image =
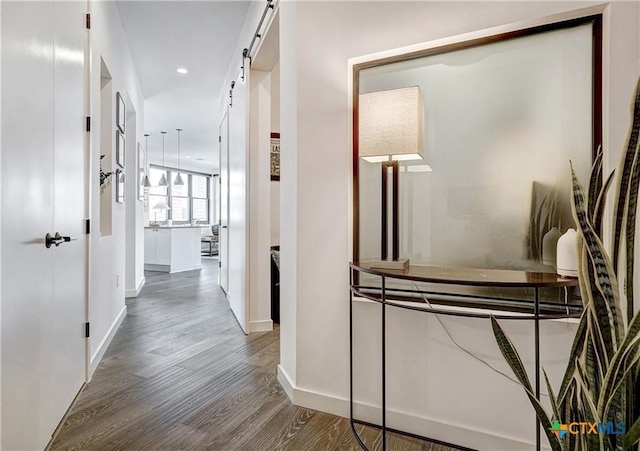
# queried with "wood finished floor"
point(181, 375)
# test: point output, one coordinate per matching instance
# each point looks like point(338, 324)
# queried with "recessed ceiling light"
point(187, 156)
point(182, 70)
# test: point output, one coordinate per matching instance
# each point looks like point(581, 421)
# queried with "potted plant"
point(600, 384)
point(104, 176)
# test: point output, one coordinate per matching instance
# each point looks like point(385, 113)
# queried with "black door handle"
point(56, 239)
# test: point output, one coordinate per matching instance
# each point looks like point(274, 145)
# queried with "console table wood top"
point(474, 276)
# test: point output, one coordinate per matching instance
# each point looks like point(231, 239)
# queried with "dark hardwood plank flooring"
point(181, 375)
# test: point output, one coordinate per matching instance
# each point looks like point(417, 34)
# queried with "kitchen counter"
point(171, 249)
point(188, 226)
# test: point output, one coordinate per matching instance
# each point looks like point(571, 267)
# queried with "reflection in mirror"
point(502, 122)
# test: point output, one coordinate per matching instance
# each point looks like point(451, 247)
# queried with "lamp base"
point(401, 264)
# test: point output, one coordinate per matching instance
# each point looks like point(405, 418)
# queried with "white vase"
point(549, 246)
point(567, 254)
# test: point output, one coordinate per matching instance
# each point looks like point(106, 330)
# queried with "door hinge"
point(219, 264)
point(87, 331)
point(219, 139)
point(87, 226)
point(88, 21)
point(88, 124)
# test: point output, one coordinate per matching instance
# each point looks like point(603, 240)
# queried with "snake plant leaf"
point(570, 415)
point(611, 398)
point(630, 344)
point(545, 422)
point(633, 434)
point(513, 359)
point(600, 312)
point(625, 173)
point(552, 397)
point(600, 204)
point(618, 392)
point(593, 356)
point(589, 407)
point(605, 275)
point(576, 349)
point(510, 354)
point(597, 350)
point(594, 183)
point(630, 230)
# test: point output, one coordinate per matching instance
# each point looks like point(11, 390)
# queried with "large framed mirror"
point(504, 115)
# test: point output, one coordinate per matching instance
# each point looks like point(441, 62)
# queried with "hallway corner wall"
point(108, 270)
point(316, 191)
point(0, 227)
point(258, 199)
point(134, 217)
point(239, 164)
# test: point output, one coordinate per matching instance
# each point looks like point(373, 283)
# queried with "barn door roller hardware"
point(246, 53)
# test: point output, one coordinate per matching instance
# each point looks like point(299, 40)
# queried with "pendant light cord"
point(146, 152)
point(178, 130)
point(163, 133)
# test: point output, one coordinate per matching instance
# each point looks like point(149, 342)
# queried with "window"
point(187, 202)
point(157, 194)
point(200, 197)
point(180, 198)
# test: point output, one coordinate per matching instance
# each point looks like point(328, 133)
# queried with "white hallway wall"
point(0, 222)
point(275, 127)
point(317, 40)
point(243, 279)
point(107, 306)
point(135, 212)
point(259, 202)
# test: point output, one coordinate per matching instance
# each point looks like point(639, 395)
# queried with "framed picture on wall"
point(120, 112)
point(119, 186)
point(120, 144)
point(140, 172)
point(275, 157)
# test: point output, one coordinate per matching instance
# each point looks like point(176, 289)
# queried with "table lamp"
point(391, 129)
point(160, 206)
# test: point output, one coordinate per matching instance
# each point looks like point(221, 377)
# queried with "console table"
point(388, 295)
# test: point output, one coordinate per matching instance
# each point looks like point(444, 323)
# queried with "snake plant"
point(602, 375)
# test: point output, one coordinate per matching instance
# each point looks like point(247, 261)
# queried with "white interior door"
point(238, 119)
point(224, 203)
point(43, 181)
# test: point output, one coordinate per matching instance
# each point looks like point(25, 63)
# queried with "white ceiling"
point(197, 35)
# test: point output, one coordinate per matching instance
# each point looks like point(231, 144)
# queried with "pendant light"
point(178, 180)
point(163, 179)
point(145, 180)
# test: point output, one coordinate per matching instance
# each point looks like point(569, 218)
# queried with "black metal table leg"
point(537, 358)
point(351, 417)
point(384, 367)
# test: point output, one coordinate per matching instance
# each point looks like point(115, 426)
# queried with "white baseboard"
point(286, 383)
point(158, 268)
point(424, 426)
point(261, 326)
point(136, 292)
point(97, 356)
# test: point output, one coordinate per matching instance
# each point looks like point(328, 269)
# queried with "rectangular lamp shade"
point(161, 206)
point(391, 125)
